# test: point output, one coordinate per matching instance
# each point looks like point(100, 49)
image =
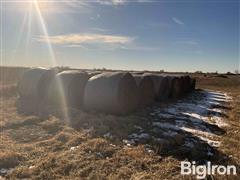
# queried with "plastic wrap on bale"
point(114, 93)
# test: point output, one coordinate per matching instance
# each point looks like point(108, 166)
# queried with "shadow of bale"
point(8, 90)
point(10, 159)
point(28, 122)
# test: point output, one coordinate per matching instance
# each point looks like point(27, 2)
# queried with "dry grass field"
point(148, 144)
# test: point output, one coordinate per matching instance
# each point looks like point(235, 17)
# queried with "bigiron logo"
point(201, 171)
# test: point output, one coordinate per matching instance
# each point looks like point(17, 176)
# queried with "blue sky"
point(116, 34)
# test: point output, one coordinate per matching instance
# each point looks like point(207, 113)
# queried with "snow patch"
point(108, 135)
point(198, 132)
point(129, 142)
point(74, 148)
point(212, 143)
point(219, 121)
point(194, 115)
point(139, 136)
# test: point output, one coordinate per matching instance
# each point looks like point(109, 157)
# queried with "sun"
point(37, 11)
point(42, 4)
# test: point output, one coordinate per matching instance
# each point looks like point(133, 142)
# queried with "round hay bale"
point(176, 90)
point(43, 87)
point(146, 89)
point(114, 93)
point(186, 84)
point(192, 84)
point(32, 89)
point(45, 81)
point(28, 84)
point(182, 84)
point(171, 84)
point(67, 89)
point(161, 86)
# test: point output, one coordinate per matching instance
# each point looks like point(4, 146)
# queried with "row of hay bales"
point(109, 92)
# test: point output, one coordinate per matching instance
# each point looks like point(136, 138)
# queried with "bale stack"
point(146, 89)
point(115, 93)
point(161, 86)
point(67, 89)
point(31, 89)
point(109, 92)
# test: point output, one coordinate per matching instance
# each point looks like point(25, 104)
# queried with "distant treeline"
point(11, 75)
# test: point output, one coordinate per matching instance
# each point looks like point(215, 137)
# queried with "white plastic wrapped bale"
point(146, 89)
point(67, 89)
point(114, 93)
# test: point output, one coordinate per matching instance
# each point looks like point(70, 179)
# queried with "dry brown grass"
point(51, 148)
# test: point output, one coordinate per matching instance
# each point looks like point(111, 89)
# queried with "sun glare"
point(42, 4)
point(37, 8)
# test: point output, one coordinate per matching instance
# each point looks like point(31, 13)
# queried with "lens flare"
point(53, 60)
point(20, 36)
point(29, 25)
